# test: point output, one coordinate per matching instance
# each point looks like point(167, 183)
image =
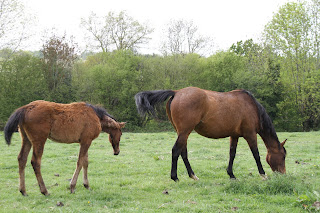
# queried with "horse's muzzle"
point(116, 153)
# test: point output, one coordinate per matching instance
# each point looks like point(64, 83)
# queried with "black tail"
point(146, 101)
point(12, 124)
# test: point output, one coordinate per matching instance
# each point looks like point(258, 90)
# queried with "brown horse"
point(65, 123)
point(216, 115)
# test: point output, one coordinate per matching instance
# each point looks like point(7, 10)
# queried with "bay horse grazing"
point(216, 115)
point(65, 123)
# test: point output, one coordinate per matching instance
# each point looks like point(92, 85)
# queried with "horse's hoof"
point(176, 179)
point(45, 193)
point(264, 176)
point(86, 186)
point(23, 193)
point(72, 188)
point(233, 178)
point(194, 177)
point(231, 175)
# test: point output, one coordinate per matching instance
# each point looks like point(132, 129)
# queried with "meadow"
point(138, 179)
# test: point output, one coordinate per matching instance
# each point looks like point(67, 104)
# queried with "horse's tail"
point(146, 101)
point(12, 124)
point(266, 126)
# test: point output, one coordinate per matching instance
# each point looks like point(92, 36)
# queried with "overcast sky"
point(226, 21)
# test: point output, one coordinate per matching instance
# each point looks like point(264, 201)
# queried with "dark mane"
point(266, 126)
point(100, 111)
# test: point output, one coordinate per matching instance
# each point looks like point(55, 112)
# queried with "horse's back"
point(230, 114)
point(61, 122)
point(215, 114)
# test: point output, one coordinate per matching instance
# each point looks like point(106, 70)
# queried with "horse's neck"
point(270, 142)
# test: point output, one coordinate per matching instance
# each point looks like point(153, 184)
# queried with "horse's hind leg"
point(184, 155)
point(176, 151)
point(36, 164)
point(180, 148)
point(82, 162)
point(232, 155)
point(22, 159)
point(169, 112)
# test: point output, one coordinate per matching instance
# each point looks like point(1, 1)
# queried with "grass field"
point(138, 180)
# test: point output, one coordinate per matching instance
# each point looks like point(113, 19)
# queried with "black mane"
point(266, 126)
point(100, 111)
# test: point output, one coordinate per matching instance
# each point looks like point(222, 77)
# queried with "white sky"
point(226, 21)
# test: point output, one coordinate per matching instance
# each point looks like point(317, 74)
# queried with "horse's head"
point(276, 159)
point(113, 127)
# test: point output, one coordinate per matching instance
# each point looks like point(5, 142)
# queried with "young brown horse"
point(216, 115)
point(65, 123)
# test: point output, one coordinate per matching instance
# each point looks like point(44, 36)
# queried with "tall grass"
point(138, 180)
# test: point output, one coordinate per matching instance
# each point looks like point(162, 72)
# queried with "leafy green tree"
point(261, 74)
point(112, 82)
point(291, 35)
point(221, 70)
point(22, 81)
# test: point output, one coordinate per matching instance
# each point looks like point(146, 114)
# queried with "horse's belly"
point(214, 135)
point(68, 132)
point(64, 137)
point(217, 131)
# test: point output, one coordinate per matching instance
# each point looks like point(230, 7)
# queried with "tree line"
point(283, 71)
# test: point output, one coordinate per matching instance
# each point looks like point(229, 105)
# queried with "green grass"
point(137, 179)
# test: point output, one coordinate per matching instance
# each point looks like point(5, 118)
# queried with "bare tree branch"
point(182, 38)
point(116, 31)
point(14, 24)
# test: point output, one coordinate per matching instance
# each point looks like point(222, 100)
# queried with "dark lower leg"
point(175, 155)
point(256, 156)
point(184, 155)
point(232, 155)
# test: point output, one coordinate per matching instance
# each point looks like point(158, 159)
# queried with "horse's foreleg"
point(255, 152)
point(36, 164)
point(85, 172)
point(81, 161)
point(232, 155)
point(256, 156)
point(22, 159)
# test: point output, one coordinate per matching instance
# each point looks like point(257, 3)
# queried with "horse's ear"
point(122, 124)
point(282, 144)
